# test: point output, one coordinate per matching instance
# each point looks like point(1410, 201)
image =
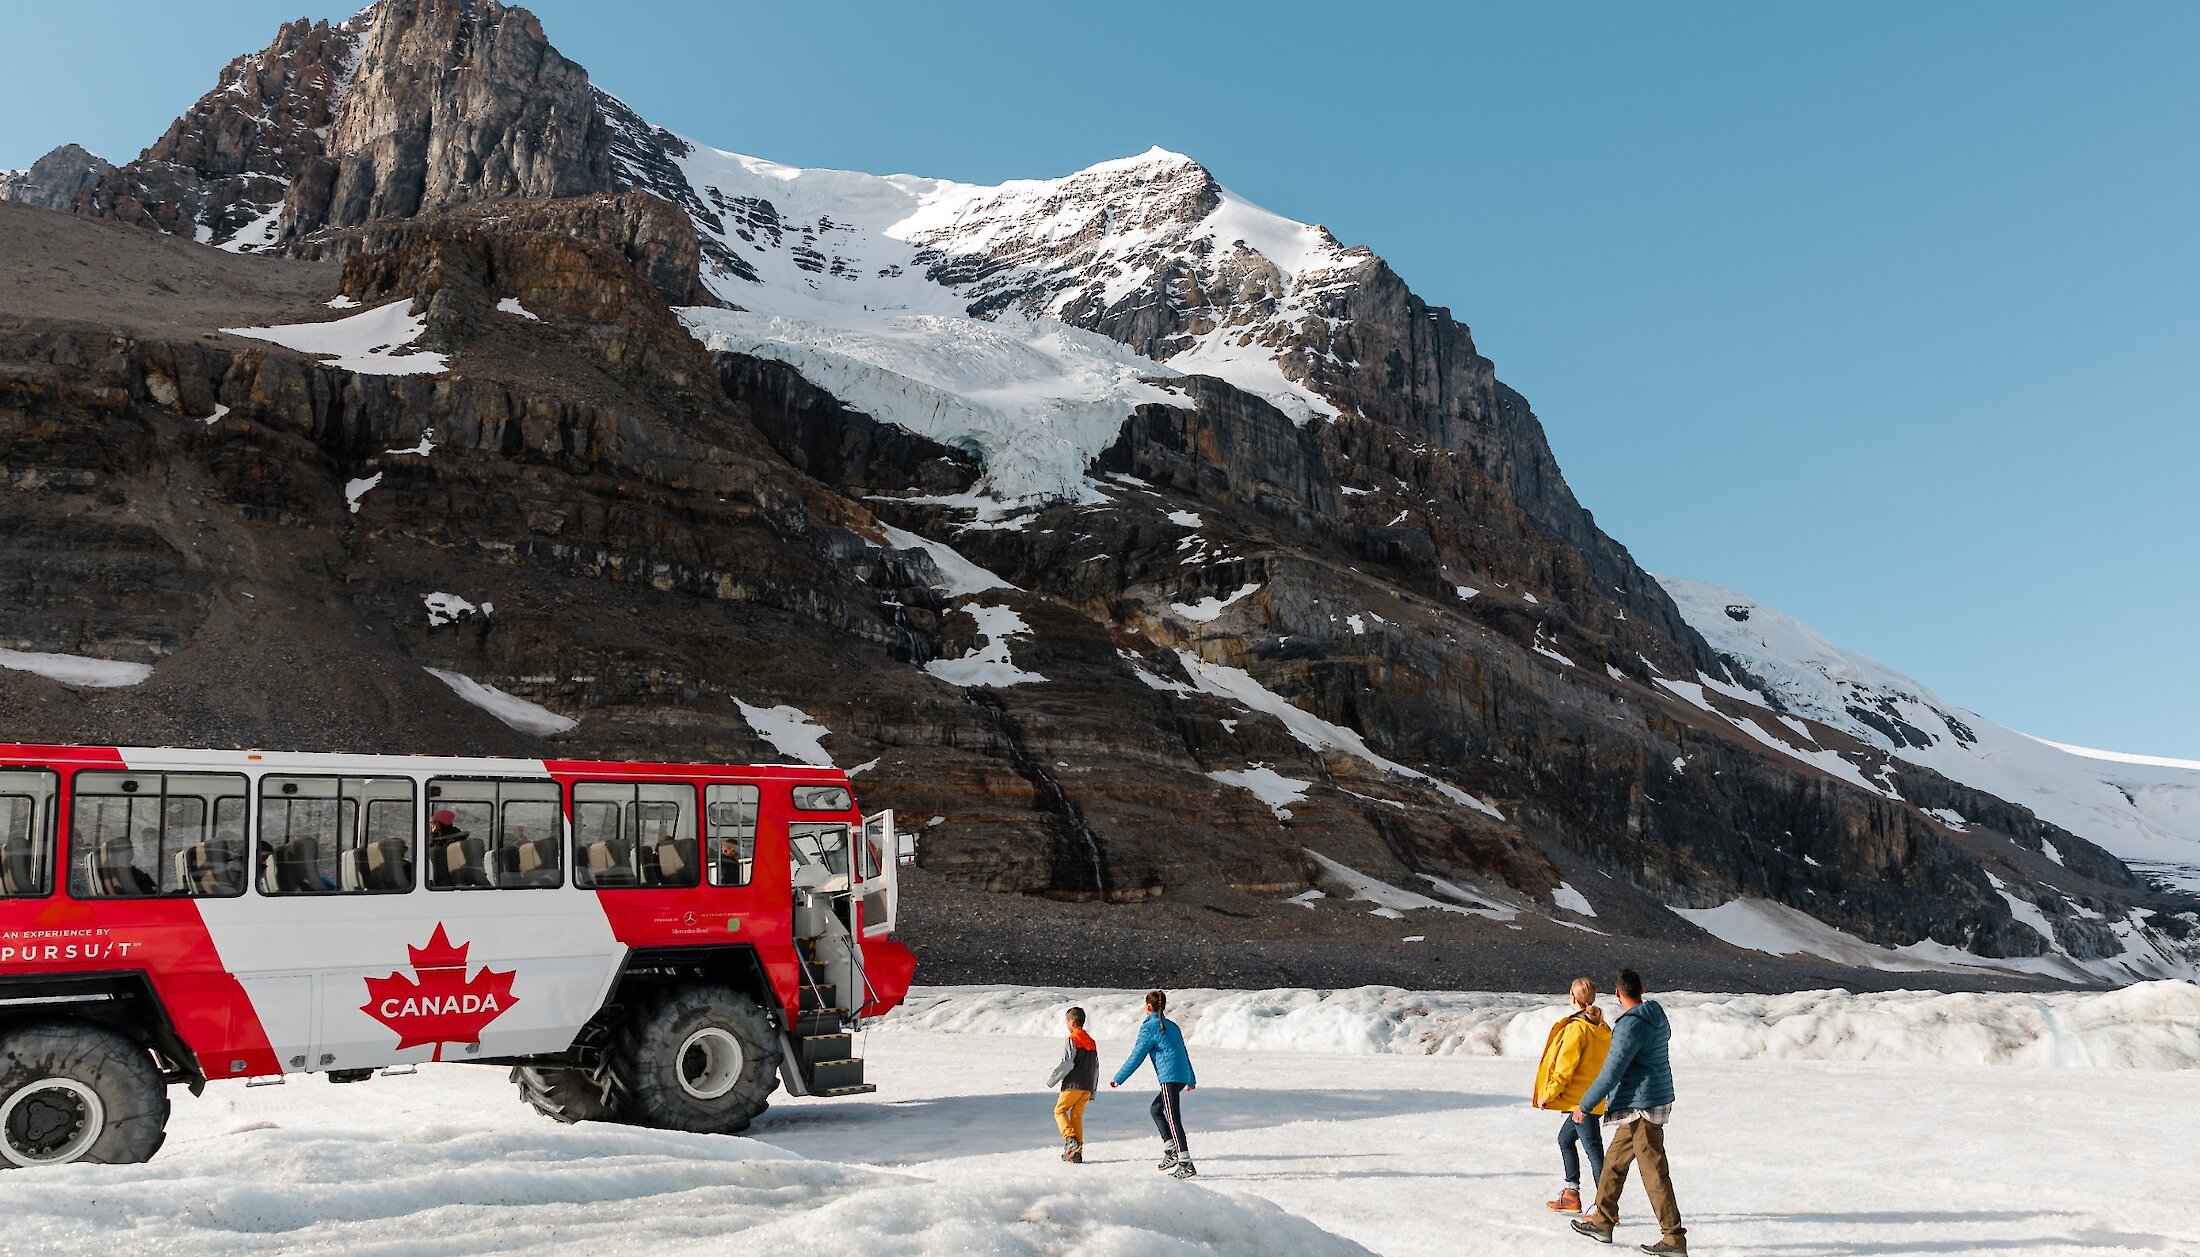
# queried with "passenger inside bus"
point(456, 858)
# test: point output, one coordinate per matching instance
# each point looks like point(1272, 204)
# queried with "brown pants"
point(1069, 1114)
point(1643, 1140)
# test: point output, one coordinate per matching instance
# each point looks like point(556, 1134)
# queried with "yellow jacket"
point(1572, 1055)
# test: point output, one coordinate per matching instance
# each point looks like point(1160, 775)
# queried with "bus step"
point(829, 1076)
point(820, 1021)
point(819, 1048)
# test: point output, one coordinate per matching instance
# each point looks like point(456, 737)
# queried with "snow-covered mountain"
point(1175, 436)
point(2142, 808)
point(1017, 320)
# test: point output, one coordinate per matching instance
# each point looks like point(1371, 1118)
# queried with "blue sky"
point(1886, 314)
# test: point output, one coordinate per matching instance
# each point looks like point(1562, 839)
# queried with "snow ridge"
point(2139, 808)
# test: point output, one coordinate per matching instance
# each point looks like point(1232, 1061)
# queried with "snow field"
point(449, 1163)
point(1037, 400)
point(1299, 1151)
point(2153, 1026)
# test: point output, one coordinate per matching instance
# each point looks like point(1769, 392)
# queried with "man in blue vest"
point(1637, 1079)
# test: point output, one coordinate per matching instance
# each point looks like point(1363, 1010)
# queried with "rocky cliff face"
point(223, 169)
point(55, 180)
point(454, 102)
point(410, 106)
point(1316, 591)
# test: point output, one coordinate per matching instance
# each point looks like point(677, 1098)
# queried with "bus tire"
point(75, 1091)
point(564, 1094)
point(701, 1058)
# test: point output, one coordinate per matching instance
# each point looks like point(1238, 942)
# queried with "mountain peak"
point(53, 181)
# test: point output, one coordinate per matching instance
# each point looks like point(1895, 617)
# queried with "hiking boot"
point(1569, 1201)
point(1168, 1158)
point(1593, 1229)
point(1077, 1157)
point(1072, 1150)
point(1667, 1248)
point(1184, 1169)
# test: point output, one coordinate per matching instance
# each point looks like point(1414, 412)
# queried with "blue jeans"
point(1590, 1134)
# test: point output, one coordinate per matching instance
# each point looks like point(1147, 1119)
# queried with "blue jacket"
point(1159, 1038)
point(1637, 1073)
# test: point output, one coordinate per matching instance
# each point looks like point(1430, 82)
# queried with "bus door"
point(878, 864)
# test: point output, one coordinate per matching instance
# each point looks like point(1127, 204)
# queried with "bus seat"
point(675, 861)
point(547, 872)
point(351, 870)
point(296, 868)
point(464, 864)
point(607, 864)
point(210, 868)
point(115, 871)
point(224, 867)
point(18, 875)
point(384, 865)
point(535, 863)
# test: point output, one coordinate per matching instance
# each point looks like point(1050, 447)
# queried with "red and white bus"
point(657, 944)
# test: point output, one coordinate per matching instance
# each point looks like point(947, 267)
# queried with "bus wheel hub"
point(50, 1121)
point(709, 1063)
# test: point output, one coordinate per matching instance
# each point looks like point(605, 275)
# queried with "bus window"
point(494, 834)
point(634, 834)
point(826, 845)
point(142, 834)
point(730, 815)
point(821, 799)
point(312, 841)
point(26, 832)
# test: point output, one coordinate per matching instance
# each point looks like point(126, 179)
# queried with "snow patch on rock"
point(990, 663)
point(510, 708)
point(1208, 608)
point(1312, 731)
point(449, 608)
point(77, 670)
point(791, 732)
point(1269, 786)
point(366, 343)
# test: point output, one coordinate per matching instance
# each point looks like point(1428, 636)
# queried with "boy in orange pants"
point(1078, 1073)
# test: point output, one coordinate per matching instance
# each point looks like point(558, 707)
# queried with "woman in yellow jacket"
point(1572, 1055)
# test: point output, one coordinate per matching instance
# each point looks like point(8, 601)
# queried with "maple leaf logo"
point(439, 1005)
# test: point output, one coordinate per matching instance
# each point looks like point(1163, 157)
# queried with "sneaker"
point(1168, 1158)
point(1593, 1229)
point(1569, 1201)
point(1184, 1169)
point(1667, 1248)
